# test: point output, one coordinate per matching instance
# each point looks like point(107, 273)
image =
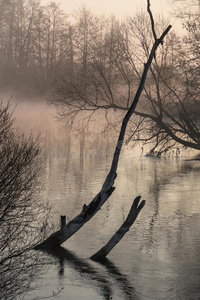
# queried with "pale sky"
point(120, 8)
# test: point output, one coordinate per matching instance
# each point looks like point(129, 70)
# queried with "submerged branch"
point(134, 211)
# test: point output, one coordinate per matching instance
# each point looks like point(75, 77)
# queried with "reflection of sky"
point(160, 254)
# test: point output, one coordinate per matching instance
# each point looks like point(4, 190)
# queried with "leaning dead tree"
point(88, 211)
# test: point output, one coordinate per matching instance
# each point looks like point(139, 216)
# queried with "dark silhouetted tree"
point(168, 114)
point(24, 218)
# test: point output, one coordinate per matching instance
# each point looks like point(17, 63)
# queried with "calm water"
point(159, 258)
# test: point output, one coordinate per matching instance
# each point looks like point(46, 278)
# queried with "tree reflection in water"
point(92, 275)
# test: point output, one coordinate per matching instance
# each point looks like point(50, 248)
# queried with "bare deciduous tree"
point(24, 218)
point(168, 114)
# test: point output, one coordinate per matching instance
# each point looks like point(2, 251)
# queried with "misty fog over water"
point(158, 258)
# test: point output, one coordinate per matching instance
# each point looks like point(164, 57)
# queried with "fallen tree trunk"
point(88, 211)
point(134, 211)
point(67, 230)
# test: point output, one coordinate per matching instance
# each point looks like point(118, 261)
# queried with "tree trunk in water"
point(134, 211)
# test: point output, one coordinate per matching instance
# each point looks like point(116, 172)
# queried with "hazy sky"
point(120, 8)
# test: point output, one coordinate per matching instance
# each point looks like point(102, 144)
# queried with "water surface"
point(159, 258)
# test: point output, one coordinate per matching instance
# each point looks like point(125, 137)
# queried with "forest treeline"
point(40, 42)
point(34, 43)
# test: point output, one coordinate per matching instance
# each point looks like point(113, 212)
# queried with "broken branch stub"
point(133, 213)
